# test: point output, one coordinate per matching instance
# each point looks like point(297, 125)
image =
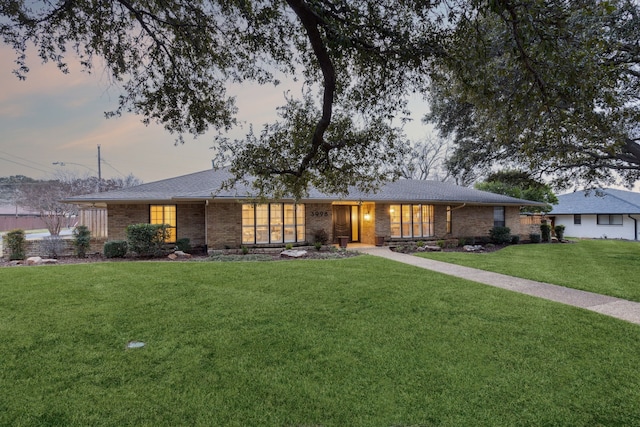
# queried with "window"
point(498, 216)
point(273, 223)
point(577, 219)
point(449, 224)
point(609, 219)
point(165, 214)
point(411, 220)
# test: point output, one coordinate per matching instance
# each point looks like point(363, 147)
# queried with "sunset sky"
point(51, 117)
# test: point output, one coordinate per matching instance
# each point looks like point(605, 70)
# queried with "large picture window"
point(165, 214)
point(411, 220)
point(609, 219)
point(272, 223)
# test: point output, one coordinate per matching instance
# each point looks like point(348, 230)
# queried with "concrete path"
point(610, 306)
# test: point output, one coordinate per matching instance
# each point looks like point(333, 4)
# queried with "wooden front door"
point(345, 222)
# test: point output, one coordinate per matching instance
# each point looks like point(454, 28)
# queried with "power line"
point(26, 166)
point(24, 159)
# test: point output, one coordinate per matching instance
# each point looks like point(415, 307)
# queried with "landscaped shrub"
point(321, 236)
point(146, 239)
point(559, 229)
point(534, 237)
point(183, 244)
point(515, 239)
point(53, 246)
point(16, 242)
point(545, 231)
point(466, 241)
point(115, 249)
point(500, 235)
point(81, 240)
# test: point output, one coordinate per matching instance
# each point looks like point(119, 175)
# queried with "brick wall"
point(318, 216)
point(190, 220)
point(120, 216)
point(63, 248)
point(224, 225)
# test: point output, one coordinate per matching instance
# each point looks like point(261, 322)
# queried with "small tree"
point(81, 240)
point(559, 230)
point(16, 242)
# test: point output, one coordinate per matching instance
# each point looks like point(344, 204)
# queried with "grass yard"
point(609, 267)
point(354, 342)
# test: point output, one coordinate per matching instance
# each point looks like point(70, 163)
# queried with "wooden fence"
point(96, 221)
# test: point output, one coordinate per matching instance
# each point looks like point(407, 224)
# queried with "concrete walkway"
point(610, 306)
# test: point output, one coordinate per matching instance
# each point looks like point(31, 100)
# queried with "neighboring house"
point(605, 213)
point(195, 207)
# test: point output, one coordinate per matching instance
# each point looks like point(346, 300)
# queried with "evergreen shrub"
point(115, 249)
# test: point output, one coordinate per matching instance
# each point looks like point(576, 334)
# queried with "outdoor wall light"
point(367, 216)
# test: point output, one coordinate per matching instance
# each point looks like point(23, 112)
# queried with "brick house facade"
point(217, 219)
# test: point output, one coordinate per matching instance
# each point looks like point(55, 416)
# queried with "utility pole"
point(99, 171)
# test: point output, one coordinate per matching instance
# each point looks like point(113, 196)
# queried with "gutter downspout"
point(635, 227)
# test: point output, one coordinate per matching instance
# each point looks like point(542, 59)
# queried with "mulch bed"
point(221, 256)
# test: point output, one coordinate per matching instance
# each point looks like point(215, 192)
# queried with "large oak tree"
point(357, 62)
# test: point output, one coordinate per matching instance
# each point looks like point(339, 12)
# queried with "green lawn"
point(609, 267)
point(354, 342)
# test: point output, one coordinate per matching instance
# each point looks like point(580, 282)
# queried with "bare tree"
point(44, 196)
point(426, 159)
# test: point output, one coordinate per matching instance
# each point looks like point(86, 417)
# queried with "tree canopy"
point(510, 80)
point(521, 185)
point(552, 87)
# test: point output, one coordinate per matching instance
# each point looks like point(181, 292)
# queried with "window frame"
point(411, 220)
point(171, 223)
point(273, 223)
point(499, 220)
point(600, 219)
point(577, 219)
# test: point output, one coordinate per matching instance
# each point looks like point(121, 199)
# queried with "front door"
point(345, 222)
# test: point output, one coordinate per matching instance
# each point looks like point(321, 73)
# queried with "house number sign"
point(319, 213)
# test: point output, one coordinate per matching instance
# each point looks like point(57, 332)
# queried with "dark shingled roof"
point(207, 184)
point(602, 201)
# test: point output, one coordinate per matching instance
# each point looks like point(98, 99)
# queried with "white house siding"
point(589, 227)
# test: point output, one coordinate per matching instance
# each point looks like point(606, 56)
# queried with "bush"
point(146, 239)
point(500, 235)
point(16, 242)
point(183, 244)
point(81, 240)
point(535, 238)
point(321, 236)
point(559, 229)
point(545, 231)
point(115, 249)
point(317, 245)
point(52, 246)
point(515, 239)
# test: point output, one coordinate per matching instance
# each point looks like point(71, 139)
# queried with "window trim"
point(407, 225)
point(277, 223)
point(500, 222)
point(609, 218)
point(172, 236)
point(577, 219)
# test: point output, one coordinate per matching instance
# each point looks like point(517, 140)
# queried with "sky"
point(55, 118)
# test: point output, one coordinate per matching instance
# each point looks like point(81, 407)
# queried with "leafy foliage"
point(81, 240)
point(146, 239)
point(16, 242)
point(551, 87)
point(521, 185)
point(115, 249)
point(500, 235)
point(545, 231)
